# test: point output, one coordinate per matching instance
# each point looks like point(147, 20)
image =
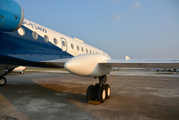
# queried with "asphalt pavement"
point(61, 96)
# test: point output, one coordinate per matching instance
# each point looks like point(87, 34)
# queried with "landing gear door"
point(64, 44)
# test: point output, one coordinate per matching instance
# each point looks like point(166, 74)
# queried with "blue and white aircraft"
point(25, 43)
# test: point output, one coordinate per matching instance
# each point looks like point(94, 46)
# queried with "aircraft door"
point(64, 44)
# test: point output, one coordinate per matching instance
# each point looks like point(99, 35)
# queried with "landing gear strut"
point(100, 91)
point(2, 78)
point(2, 81)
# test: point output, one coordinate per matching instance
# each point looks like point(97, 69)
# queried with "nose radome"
point(73, 65)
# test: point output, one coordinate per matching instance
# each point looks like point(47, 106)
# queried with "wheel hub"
point(2, 81)
point(109, 91)
point(104, 94)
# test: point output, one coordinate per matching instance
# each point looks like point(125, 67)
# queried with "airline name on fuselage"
point(35, 26)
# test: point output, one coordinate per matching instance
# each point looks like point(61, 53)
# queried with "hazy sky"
point(141, 29)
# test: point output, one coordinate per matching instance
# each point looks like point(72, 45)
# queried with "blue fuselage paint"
point(10, 15)
point(26, 48)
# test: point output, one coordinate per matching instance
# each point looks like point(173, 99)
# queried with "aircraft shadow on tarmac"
point(38, 102)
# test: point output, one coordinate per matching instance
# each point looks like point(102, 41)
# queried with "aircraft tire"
point(97, 85)
point(2, 81)
point(101, 94)
point(90, 92)
point(108, 91)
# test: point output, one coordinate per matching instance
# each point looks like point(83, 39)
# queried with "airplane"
point(19, 69)
point(25, 43)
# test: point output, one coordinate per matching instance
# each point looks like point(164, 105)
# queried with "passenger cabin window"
point(55, 40)
point(90, 51)
point(35, 35)
point(63, 43)
point(21, 31)
point(86, 50)
point(46, 38)
point(78, 48)
point(82, 49)
point(72, 46)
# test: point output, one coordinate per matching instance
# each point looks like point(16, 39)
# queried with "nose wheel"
point(100, 91)
point(2, 81)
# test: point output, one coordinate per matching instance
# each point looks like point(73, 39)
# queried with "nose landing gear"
point(6, 71)
point(100, 91)
point(2, 81)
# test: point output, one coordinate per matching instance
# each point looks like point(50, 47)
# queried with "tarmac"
point(135, 95)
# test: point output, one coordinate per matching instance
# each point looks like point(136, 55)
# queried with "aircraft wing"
point(58, 63)
point(141, 63)
point(122, 63)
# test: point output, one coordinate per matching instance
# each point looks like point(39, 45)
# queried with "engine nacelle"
point(87, 65)
point(11, 15)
